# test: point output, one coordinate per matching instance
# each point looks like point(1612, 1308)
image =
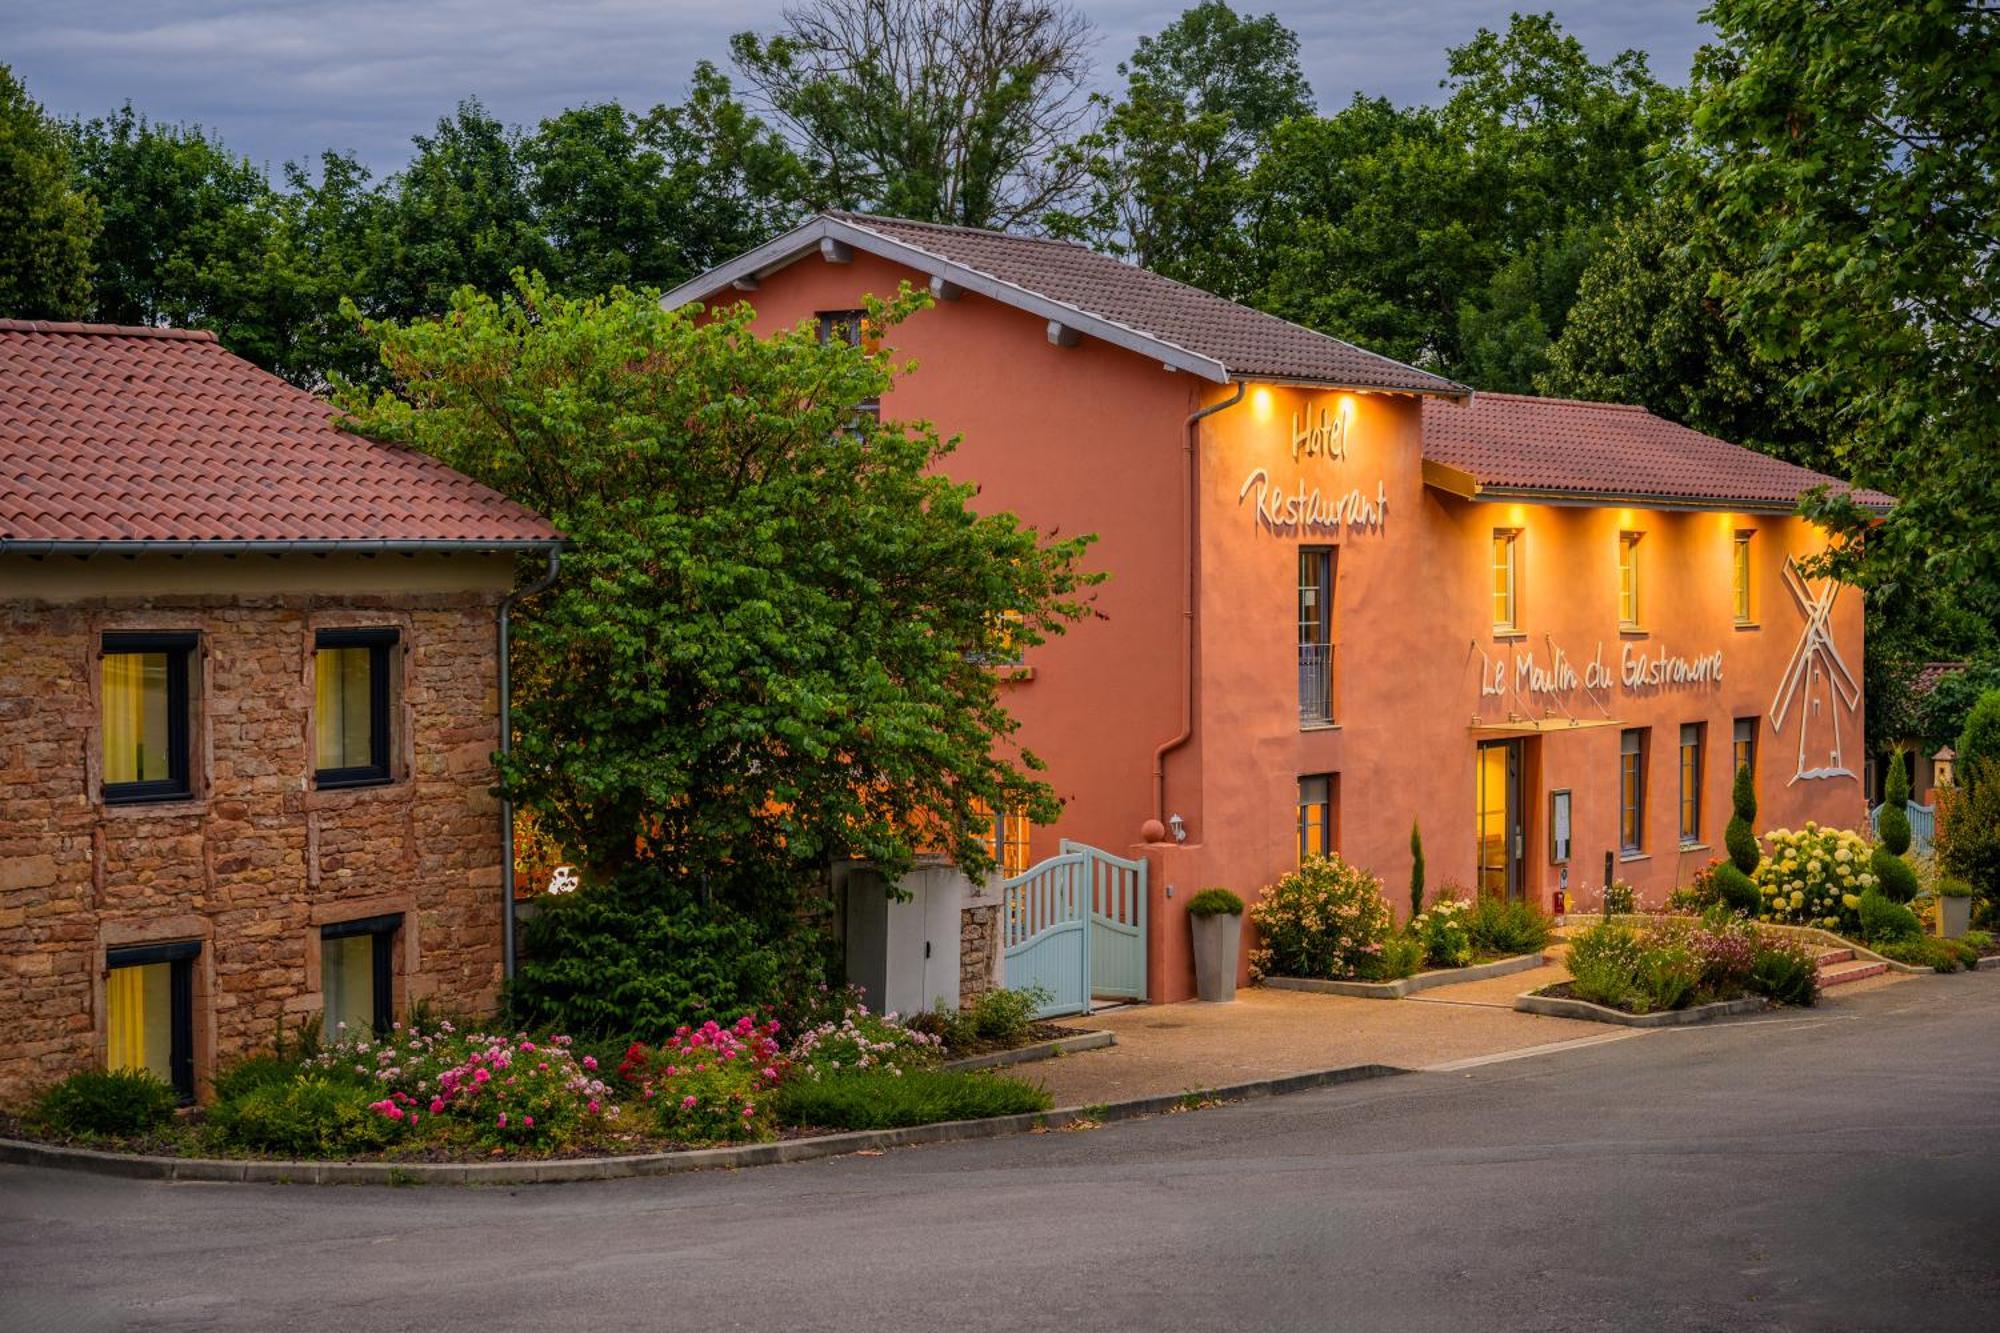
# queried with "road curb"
point(1041, 1050)
point(1404, 986)
point(132, 1166)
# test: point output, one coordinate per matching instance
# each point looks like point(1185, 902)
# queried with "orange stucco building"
point(1346, 594)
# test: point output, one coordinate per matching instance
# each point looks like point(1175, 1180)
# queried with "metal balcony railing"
point(1315, 684)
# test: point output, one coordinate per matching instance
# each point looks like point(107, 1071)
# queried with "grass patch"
point(917, 1097)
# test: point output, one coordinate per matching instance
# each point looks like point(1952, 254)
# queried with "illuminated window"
point(144, 715)
point(357, 974)
point(1007, 842)
point(1316, 816)
point(1316, 572)
point(1506, 579)
point(1740, 578)
point(1743, 750)
point(1628, 580)
point(1006, 647)
point(1632, 790)
point(351, 710)
point(148, 1012)
point(1694, 742)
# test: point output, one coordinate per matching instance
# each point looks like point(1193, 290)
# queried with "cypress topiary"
point(1893, 875)
point(1733, 878)
point(1416, 871)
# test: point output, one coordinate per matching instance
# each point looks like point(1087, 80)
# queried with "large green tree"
point(1851, 154)
point(1169, 167)
point(46, 242)
point(962, 112)
point(765, 650)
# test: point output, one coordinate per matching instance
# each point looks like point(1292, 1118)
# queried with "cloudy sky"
point(282, 79)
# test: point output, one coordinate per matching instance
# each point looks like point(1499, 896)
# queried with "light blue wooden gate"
point(1075, 925)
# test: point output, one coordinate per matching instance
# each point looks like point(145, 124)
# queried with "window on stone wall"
point(357, 974)
point(351, 706)
point(144, 715)
point(149, 1012)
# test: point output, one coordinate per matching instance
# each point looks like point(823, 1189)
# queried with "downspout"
point(507, 748)
point(1189, 447)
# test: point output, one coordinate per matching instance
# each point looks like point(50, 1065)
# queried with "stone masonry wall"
point(258, 860)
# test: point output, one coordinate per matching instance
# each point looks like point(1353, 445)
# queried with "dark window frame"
point(1693, 744)
point(1632, 813)
point(1329, 804)
point(1743, 750)
point(380, 769)
point(1317, 679)
point(179, 956)
point(179, 647)
point(382, 959)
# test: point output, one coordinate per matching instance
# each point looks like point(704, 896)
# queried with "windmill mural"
point(1817, 684)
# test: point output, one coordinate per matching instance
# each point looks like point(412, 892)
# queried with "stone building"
point(249, 698)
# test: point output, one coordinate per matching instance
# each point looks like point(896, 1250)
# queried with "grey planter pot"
point(1216, 941)
point(1954, 916)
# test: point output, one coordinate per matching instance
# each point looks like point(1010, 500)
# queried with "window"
point(1505, 579)
point(1316, 568)
point(351, 706)
point(1006, 649)
point(848, 326)
point(145, 716)
point(1628, 580)
point(1743, 750)
point(1007, 841)
point(1694, 742)
point(357, 973)
point(1316, 816)
point(1632, 790)
point(1739, 568)
point(149, 1012)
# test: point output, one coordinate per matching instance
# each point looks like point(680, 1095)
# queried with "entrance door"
point(1499, 809)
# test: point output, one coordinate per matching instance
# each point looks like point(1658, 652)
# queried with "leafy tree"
point(1981, 738)
point(763, 653)
point(731, 181)
point(1644, 329)
point(1848, 153)
point(45, 246)
point(187, 230)
point(1967, 841)
point(459, 215)
point(1170, 165)
point(959, 112)
point(1733, 877)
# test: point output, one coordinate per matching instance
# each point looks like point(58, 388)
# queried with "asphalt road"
point(1836, 1169)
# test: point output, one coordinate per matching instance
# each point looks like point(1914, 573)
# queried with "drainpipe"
point(507, 748)
point(1190, 448)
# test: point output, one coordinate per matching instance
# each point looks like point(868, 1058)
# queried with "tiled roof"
point(1230, 341)
point(1612, 451)
point(1933, 674)
point(111, 434)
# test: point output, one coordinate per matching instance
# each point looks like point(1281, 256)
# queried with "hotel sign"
point(1637, 670)
point(1318, 434)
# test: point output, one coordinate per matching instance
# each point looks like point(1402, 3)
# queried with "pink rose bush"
point(709, 1084)
point(858, 1039)
point(473, 1088)
point(1326, 919)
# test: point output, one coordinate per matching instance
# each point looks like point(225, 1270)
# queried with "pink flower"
point(503, 1120)
point(687, 1102)
point(749, 1111)
point(590, 1062)
point(528, 1046)
point(593, 1108)
point(528, 1121)
point(437, 1105)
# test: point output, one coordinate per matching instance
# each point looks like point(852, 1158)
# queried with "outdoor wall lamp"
point(1178, 827)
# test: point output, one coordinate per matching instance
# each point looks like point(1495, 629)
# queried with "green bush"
point(1980, 740)
point(1326, 919)
point(1440, 928)
point(1785, 969)
point(1892, 827)
point(644, 954)
point(1968, 831)
point(1498, 926)
point(917, 1097)
point(253, 1071)
point(319, 1114)
point(1884, 921)
point(1416, 871)
point(1215, 902)
point(1895, 878)
point(119, 1103)
point(997, 1017)
point(1950, 887)
point(1400, 956)
point(1669, 974)
point(1925, 951)
point(1604, 962)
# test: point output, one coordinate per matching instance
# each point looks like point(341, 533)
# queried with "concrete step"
point(1840, 976)
point(1828, 957)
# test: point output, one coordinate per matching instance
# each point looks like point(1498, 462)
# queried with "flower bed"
point(1677, 963)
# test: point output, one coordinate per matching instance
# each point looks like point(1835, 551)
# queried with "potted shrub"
point(1216, 916)
point(1954, 898)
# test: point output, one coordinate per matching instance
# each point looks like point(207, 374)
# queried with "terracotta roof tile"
point(113, 434)
point(1611, 451)
point(1248, 342)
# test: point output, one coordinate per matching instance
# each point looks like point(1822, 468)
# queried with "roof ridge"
point(105, 330)
point(1572, 402)
point(863, 219)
